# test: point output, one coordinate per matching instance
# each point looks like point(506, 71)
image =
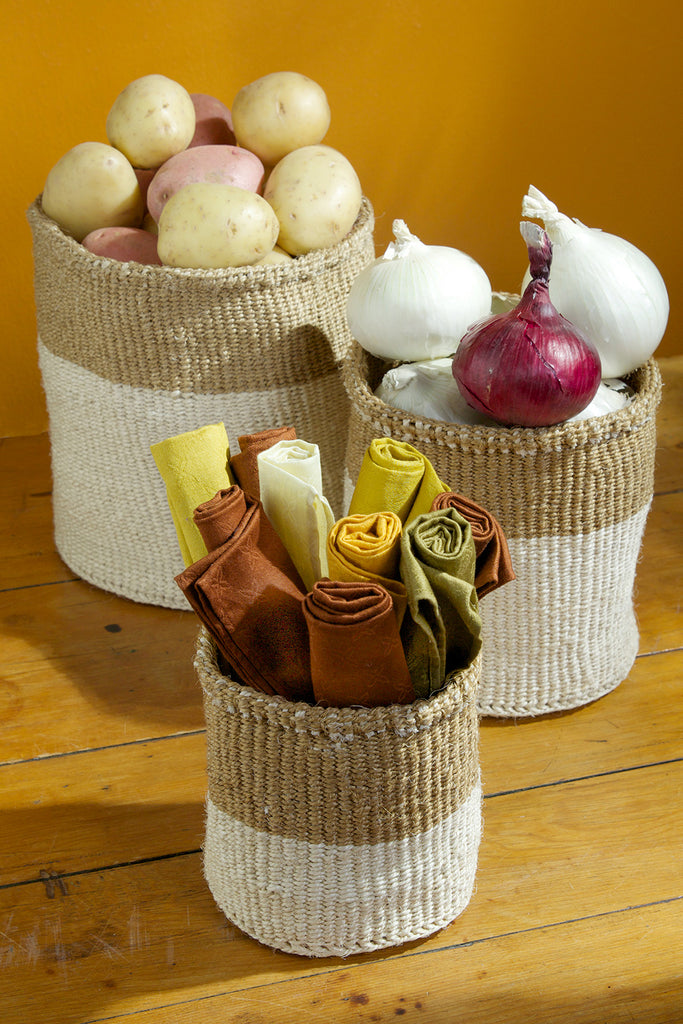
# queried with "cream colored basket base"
point(321, 900)
point(112, 523)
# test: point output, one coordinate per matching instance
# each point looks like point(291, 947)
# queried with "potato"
point(316, 195)
point(226, 165)
point(210, 225)
point(278, 113)
point(92, 186)
point(149, 224)
point(129, 245)
point(213, 121)
point(276, 255)
point(151, 120)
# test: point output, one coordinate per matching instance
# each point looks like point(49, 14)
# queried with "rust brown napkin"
point(356, 652)
point(244, 464)
point(493, 562)
point(249, 596)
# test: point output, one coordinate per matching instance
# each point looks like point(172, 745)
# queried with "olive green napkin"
point(442, 626)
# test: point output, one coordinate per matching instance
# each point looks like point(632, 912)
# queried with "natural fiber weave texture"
point(337, 831)
point(133, 354)
point(573, 501)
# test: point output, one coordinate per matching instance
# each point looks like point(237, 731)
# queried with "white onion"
point(611, 291)
point(416, 301)
point(427, 388)
point(611, 396)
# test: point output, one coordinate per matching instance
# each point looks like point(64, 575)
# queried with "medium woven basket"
point(132, 354)
point(338, 831)
point(573, 500)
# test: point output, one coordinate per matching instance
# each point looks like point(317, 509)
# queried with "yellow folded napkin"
point(395, 477)
point(368, 547)
point(194, 467)
point(290, 481)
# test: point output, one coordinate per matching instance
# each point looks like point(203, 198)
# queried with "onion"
point(416, 301)
point(427, 389)
point(529, 367)
point(610, 290)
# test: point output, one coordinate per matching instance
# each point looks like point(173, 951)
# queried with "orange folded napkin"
point(244, 464)
point(356, 652)
point(395, 477)
point(249, 596)
point(493, 562)
point(368, 547)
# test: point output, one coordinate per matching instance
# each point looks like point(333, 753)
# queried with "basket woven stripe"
point(112, 522)
point(327, 900)
point(333, 831)
point(132, 354)
point(573, 501)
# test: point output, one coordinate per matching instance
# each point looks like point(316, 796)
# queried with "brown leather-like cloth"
point(249, 596)
point(493, 562)
point(244, 463)
point(356, 652)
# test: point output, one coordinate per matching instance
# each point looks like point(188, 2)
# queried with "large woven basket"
point(132, 354)
point(573, 501)
point(338, 831)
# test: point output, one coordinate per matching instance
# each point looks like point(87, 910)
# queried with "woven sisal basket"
point(132, 354)
point(573, 501)
point(338, 831)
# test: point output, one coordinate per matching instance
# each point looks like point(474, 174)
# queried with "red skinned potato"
point(219, 165)
point(213, 122)
point(128, 245)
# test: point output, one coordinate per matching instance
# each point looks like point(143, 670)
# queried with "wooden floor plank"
point(116, 805)
point(659, 579)
point(146, 935)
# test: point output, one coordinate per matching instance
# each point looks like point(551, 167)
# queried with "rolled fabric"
point(493, 561)
point(250, 597)
point(291, 491)
point(441, 630)
point(356, 652)
point(193, 466)
point(395, 477)
point(368, 547)
point(244, 463)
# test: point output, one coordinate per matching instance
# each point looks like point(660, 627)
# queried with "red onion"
point(530, 367)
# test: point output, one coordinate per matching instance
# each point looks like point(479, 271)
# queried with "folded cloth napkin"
point(368, 547)
point(291, 491)
point(249, 596)
point(356, 652)
point(193, 466)
point(395, 477)
point(244, 463)
point(442, 626)
point(493, 565)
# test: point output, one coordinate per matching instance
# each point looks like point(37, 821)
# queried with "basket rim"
point(645, 380)
point(453, 699)
point(275, 275)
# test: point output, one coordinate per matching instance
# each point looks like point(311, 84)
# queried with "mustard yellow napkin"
point(194, 467)
point(290, 481)
point(368, 547)
point(395, 477)
point(441, 630)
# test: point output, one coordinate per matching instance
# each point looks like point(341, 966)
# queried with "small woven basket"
point(573, 501)
point(338, 831)
point(132, 354)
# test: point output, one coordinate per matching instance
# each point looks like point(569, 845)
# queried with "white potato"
point(276, 255)
point(316, 195)
point(92, 186)
point(278, 113)
point(209, 225)
point(151, 120)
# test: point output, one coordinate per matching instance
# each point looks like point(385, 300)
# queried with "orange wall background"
point(448, 111)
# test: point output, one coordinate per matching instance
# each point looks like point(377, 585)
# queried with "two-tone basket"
point(573, 501)
point(333, 831)
point(132, 354)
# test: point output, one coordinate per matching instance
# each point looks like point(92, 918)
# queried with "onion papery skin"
point(529, 367)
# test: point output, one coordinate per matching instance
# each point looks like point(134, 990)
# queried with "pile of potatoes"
point(185, 181)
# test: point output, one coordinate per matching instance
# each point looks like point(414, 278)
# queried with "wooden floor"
point(104, 914)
